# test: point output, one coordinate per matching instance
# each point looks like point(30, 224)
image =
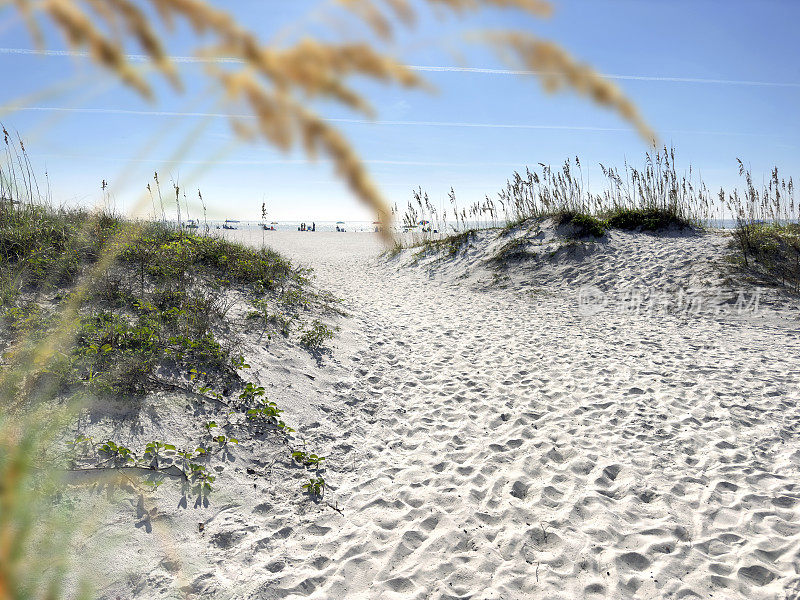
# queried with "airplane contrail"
point(458, 124)
point(165, 113)
point(131, 57)
point(612, 76)
point(276, 161)
point(431, 69)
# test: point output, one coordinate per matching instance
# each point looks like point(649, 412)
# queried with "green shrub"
point(583, 225)
point(651, 219)
point(315, 335)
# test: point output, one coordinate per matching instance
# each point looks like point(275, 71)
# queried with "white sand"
point(495, 441)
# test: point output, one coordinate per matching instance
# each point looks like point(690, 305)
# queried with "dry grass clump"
point(653, 197)
point(278, 83)
point(767, 234)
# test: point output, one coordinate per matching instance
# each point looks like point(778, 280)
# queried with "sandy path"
point(517, 448)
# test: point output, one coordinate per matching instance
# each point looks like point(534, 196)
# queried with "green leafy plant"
point(223, 441)
point(185, 457)
point(155, 450)
point(251, 392)
point(265, 411)
point(307, 459)
point(316, 334)
point(315, 486)
point(198, 475)
point(117, 453)
point(239, 363)
point(261, 409)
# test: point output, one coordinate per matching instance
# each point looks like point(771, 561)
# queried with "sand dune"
point(488, 438)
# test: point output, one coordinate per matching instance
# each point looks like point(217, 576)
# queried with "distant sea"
point(368, 226)
point(290, 225)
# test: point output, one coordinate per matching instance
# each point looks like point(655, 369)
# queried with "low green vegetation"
point(315, 486)
point(307, 459)
point(647, 219)
point(449, 246)
point(158, 304)
point(769, 253)
point(651, 198)
point(316, 334)
point(582, 225)
point(513, 251)
point(144, 307)
point(655, 198)
point(766, 240)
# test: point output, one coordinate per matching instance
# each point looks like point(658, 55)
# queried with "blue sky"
point(471, 135)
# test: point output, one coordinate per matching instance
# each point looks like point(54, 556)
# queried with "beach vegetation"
point(513, 251)
point(117, 452)
point(315, 486)
point(99, 308)
point(766, 239)
point(654, 197)
point(307, 459)
point(155, 450)
point(448, 246)
point(223, 440)
point(265, 411)
point(316, 334)
point(160, 303)
point(646, 219)
point(581, 224)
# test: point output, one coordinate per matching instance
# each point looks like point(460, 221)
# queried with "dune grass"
point(770, 253)
point(449, 246)
point(511, 252)
point(651, 198)
point(646, 219)
point(655, 199)
point(766, 242)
